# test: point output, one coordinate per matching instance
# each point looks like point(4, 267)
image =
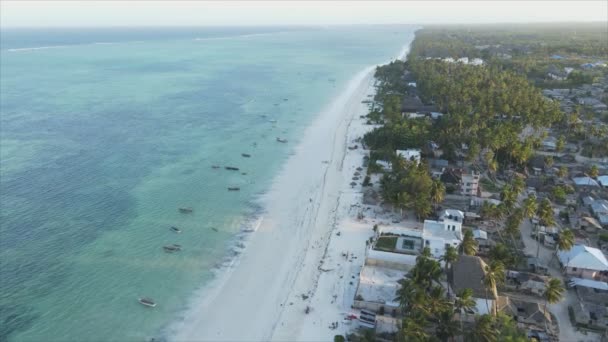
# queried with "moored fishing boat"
point(147, 301)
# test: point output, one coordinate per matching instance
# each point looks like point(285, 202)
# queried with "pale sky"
point(191, 13)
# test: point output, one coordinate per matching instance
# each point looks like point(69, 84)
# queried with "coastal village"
point(470, 238)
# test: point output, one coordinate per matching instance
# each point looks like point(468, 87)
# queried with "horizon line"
point(305, 25)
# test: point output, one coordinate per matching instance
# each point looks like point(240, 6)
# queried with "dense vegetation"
point(485, 108)
point(409, 186)
point(527, 49)
point(430, 316)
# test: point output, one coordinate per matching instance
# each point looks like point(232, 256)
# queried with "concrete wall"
point(374, 306)
point(581, 273)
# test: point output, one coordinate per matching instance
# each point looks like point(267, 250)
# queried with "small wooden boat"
point(234, 188)
point(186, 210)
point(215, 166)
point(147, 302)
point(175, 229)
point(172, 248)
point(231, 168)
point(281, 140)
point(246, 155)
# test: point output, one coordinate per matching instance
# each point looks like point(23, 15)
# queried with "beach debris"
point(246, 155)
point(338, 233)
point(357, 173)
point(359, 169)
point(184, 210)
point(281, 140)
point(234, 188)
point(353, 183)
point(231, 168)
point(355, 178)
point(307, 310)
point(304, 297)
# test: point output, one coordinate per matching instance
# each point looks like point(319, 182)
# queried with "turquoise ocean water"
point(105, 133)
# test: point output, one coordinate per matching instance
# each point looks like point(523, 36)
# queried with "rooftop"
point(468, 272)
point(379, 284)
point(584, 181)
point(585, 257)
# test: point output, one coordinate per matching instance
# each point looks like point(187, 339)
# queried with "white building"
point(469, 184)
point(410, 154)
point(445, 231)
point(435, 234)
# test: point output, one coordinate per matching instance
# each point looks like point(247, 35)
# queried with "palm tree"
point(437, 191)
point(450, 256)
point(518, 185)
point(554, 291)
point(413, 330)
point(422, 207)
point(436, 301)
point(464, 303)
point(513, 222)
point(545, 213)
point(562, 172)
point(494, 275)
point(530, 206)
point(484, 330)
point(447, 327)
point(493, 167)
point(565, 240)
point(594, 171)
point(468, 246)
point(508, 197)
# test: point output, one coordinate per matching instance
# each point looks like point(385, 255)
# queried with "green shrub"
point(339, 338)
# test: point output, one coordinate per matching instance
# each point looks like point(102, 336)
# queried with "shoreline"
point(257, 293)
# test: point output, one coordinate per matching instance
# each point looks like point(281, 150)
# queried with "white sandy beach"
point(295, 250)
